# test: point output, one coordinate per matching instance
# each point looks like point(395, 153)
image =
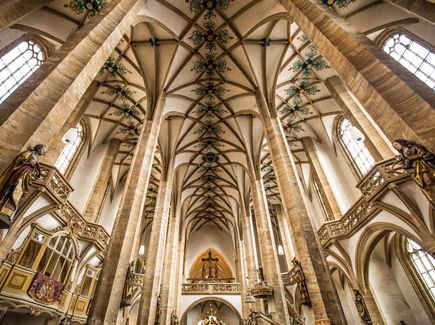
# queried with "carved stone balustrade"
point(210, 288)
point(372, 185)
point(57, 187)
point(54, 183)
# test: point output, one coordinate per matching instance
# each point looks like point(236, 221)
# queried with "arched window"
point(414, 56)
point(71, 148)
point(356, 150)
point(17, 65)
point(424, 264)
point(57, 259)
point(89, 282)
point(52, 256)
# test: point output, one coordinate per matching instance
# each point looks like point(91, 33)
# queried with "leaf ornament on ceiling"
point(312, 61)
point(121, 92)
point(339, 3)
point(92, 7)
point(113, 68)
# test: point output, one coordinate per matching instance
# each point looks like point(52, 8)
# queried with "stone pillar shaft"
point(156, 251)
point(97, 196)
point(170, 269)
point(375, 143)
point(328, 196)
point(108, 294)
point(268, 251)
point(37, 112)
point(319, 282)
point(13, 10)
point(57, 145)
point(385, 88)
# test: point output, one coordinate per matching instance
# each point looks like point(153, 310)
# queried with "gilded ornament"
point(15, 181)
point(418, 160)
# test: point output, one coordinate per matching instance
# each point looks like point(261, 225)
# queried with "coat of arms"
point(45, 289)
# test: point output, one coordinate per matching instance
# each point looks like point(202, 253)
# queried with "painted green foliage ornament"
point(92, 6)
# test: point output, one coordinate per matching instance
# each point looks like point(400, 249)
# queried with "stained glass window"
point(413, 56)
point(424, 263)
point(357, 150)
point(70, 150)
point(17, 65)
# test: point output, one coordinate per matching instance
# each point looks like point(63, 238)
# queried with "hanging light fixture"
point(356, 134)
point(281, 250)
point(70, 136)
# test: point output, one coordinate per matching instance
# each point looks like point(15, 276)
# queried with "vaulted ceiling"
point(209, 63)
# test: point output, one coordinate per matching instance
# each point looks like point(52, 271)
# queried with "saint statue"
point(15, 181)
point(129, 287)
point(418, 159)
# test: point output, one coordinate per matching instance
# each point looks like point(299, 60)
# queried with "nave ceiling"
point(212, 126)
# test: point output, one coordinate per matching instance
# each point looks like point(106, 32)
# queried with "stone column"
point(399, 103)
point(57, 145)
point(327, 194)
point(156, 250)
point(13, 10)
point(375, 142)
point(324, 298)
point(108, 294)
point(250, 270)
point(285, 236)
point(170, 266)
point(268, 251)
point(420, 8)
point(98, 193)
point(37, 112)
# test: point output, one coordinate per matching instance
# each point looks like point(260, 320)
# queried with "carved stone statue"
point(15, 181)
point(129, 287)
point(174, 318)
point(362, 308)
point(418, 159)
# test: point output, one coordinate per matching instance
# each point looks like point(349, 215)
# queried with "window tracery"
point(18, 64)
point(356, 150)
point(52, 256)
point(424, 264)
point(412, 55)
point(70, 150)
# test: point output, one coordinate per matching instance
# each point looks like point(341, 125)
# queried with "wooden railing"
point(373, 184)
point(210, 288)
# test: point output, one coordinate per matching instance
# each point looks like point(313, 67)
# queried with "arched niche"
point(210, 265)
point(203, 307)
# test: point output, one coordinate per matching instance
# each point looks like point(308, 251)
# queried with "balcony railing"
point(210, 288)
point(54, 184)
point(373, 184)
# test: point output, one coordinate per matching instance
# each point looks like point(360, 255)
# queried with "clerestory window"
point(17, 65)
point(412, 55)
point(424, 264)
point(72, 147)
point(355, 149)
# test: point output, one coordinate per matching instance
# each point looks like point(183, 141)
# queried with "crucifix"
point(210, 261)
